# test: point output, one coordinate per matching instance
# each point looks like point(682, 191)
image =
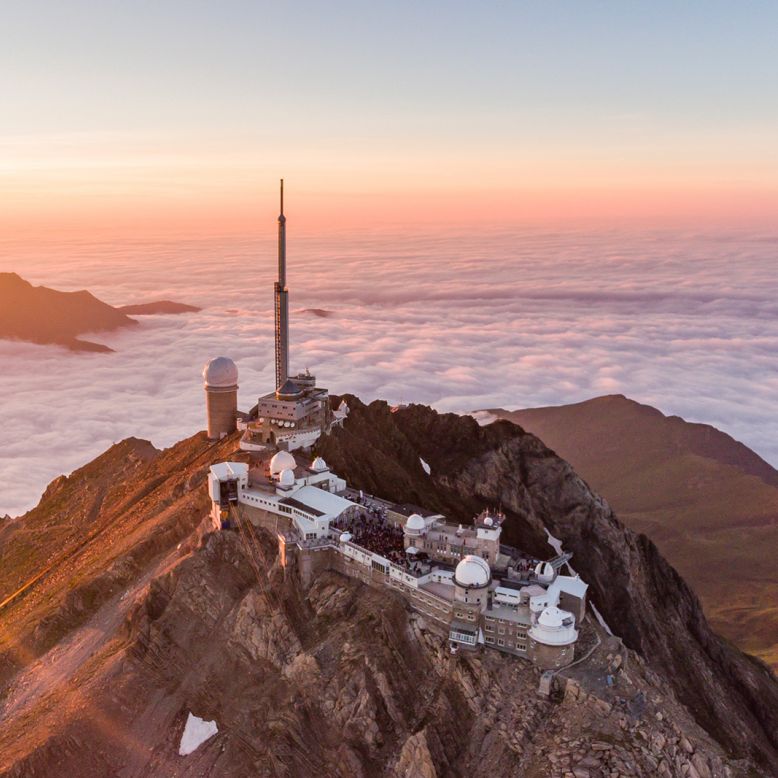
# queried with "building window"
point(500, 642)
point(490, 639)
point(501, 630)
point(461, 637)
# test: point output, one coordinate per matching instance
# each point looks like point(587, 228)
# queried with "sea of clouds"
point(685, 322)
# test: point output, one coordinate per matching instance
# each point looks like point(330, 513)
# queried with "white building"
point(305, 495)
point(483, 600)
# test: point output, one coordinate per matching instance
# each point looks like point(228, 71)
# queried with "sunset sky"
point(162, 117)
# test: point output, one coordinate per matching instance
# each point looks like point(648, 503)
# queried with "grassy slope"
point(708, 502)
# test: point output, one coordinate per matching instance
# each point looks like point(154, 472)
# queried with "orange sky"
point(181, 117)
point(81, 186)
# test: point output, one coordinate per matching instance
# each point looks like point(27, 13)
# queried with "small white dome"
point(415, 524)
point(345, 537)
point(318, 465)
point(282, 460)
point(544, 571)
point(551, 617)
point(489, 521)
point(473, 572)
point(287, 477)
point(554, 627)
point(220, 372)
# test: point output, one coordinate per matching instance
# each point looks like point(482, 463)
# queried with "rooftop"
point(407, 508)
point(319, 501)
point(302, 506)
point(514, 614)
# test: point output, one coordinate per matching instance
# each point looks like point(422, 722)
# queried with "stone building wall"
point(550, 657)
point(308, 563)
point(506, 636)
point(574, 605)
point(221, 411)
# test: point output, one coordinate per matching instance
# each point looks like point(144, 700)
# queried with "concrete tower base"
point(550, 657)
point(221, 406)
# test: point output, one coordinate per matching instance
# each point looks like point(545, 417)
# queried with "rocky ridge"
point(345, 681)
point(37, 314)
point(147, 616)
point(708, 502)
point(642, 598)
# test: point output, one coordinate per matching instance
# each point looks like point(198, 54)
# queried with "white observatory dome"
point(282, 460)
point(554, 627)
point(345, 537)
point(318, 465)
point(287, 477)
point(220, 372)
point(544, 571)
point(489, 521)
point(551, 617)
point(473, 572)
point(415, 524)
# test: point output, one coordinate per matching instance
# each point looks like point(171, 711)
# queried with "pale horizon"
point(181, 117)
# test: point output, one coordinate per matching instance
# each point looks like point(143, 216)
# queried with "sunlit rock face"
point(642, 597)
point(150, 616)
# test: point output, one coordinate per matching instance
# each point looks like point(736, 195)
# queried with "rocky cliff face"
point(345, 681)
point(641, 597)
point(140, 616)
point(706, 500)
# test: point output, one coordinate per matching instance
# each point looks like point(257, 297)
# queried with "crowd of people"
point(371, 530)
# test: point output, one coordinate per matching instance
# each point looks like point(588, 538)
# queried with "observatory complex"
point(292, 416)
point(465, 583)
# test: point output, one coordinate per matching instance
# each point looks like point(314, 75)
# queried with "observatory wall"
point(221, 411)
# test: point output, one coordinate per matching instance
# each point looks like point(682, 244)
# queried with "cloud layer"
point(688, 323)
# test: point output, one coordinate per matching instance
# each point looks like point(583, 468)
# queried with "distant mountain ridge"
point(654, 426)
point(37, 314)
point(708, 501)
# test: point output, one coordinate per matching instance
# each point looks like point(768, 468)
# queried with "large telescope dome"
point(472, 573)
point(220, 372)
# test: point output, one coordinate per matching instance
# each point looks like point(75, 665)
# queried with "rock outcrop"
point(41, 315)
point(642, 598)
point(123, 612)
point(344, 682)
point(706, 500)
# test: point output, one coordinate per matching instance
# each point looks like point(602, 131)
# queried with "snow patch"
point(555, 543)
point(196, 732)
point(600, 619)
point(427, 469)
